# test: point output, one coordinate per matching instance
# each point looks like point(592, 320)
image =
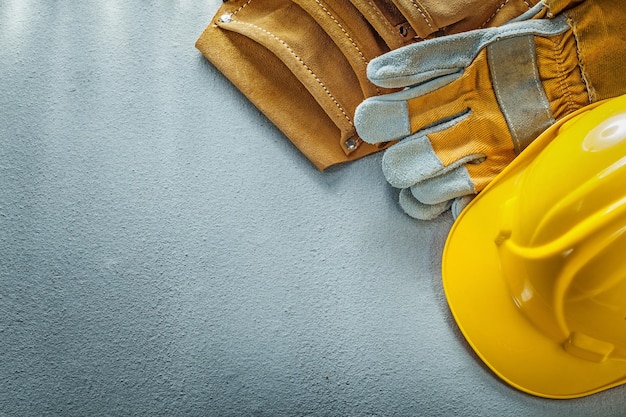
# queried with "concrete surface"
point(164, 250)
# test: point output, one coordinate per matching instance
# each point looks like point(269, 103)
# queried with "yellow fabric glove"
point(471, 102)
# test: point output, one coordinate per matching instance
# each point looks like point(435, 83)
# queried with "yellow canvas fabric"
point(560, 74)
point(598, 27)
point(486, 132)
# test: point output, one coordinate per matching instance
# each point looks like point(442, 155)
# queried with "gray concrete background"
point(164, 249)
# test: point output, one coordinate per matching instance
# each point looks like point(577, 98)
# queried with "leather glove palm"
point(470, 102)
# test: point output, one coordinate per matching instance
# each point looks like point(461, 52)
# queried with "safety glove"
point(469, 103)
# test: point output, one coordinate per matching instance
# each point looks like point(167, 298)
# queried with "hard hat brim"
point(486, 313)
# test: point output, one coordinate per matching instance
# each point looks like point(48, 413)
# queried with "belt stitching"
point(309, 70)
point(419, 9)
point(356, 47)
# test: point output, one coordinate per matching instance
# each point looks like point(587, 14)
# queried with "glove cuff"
point(560, 74)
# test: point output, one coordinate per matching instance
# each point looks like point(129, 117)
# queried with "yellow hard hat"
point(534, 269)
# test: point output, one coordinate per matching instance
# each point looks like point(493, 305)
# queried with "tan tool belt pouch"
point(303, 62)
point(304, 69)
point(387, 20)
point(436, 17)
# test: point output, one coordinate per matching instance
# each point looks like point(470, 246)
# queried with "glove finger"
point(386, 118)
point(413, 160)
point(423, 61)
point(459, 204)
point(381, 119)
point(418, 210)
point(454, 183)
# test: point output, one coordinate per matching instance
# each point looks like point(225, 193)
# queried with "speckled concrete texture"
point(165, 250)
